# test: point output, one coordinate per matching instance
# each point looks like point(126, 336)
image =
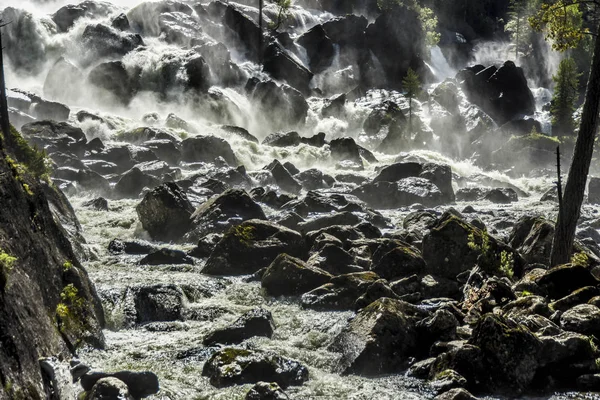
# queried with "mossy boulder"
point(380, 340)
point(340, 293)
point(266, 391)
point(252, 245)
point(289, 276)
point(233, 366)
point(532, 237)
point(563, 280)
point(256, 322)
point(396, 259)
point(583, 318)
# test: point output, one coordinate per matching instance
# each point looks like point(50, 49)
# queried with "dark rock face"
point(394, 259)
point(281, 139)
point(283, 178)
point(345, 149)
point(256, 322)
point(166, 256)
point(562, 280)
point(231, 366)
point(502, 93)
point(319, 48)
point(105, 41)
point(66, 16)
point(246, 29)
point(289, 276)
point(140, 384)
point(165, 212)
point(584, 319)
point(220, 213)
point(532, 237)
point(252, 245)
point(113, 78)
point(502, 196)
point(594, 191)
point(341, 293)
point(396, 40)
point(349, 29)
point(109, 388)
point(379, 340)
point(287, 101)
point(207, 149)
point(158, 303)
point(133, 182)
point(283, 67)
point(266, 391)
point(144, 18)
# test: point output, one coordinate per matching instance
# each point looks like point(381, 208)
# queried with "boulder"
point(313, 179)
point(207, 149)
point(347, 30)
point(66, 16)
point(594, 190)
point(401, 193)
point(133, 182)
point(256, 322)
point(180, 29)
point(113, 78)
point(246, 29)
point(334, 259)
point(341, 293)
point(266, 391)
point(93, 182)
point(456, 394)
point(104, 41)
point(532, 237)
point(109, 388)
point(220, 213)
point(502, 196)
point(339, 218)
point(395, 259)
point(239, 132)
point(166, 256)
point(319, 48)
point(379, 340)
point(25, 25)
point(232, 366)
point(117, 246)
point(165, 150)
point(562, 280)
point(289, 276)
point(345, 149)
point(165, 212)
point(282, 105)
point(98, 204)
point(250, 246)
point(140, 384)
point(281, 139)
point(283, 178)
point(57, 87)
point(281, 66)
point(144, 18)
point(583, 318)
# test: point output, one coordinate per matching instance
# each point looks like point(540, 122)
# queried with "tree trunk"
point(564, 233)
point(260, 28)
point(4, 122)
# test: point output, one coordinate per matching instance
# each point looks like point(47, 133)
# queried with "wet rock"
point(117, 246)
point(532, 237)
point(246, 29)
point(250, 246)
point(439, 175)
point(456, 394)
point(319, 48)
point(231, 366)
point(207, 149)
point(165, 212)
point(379, 289)
point(395, 259)
point(313, 179)
point(334, 259)
point(256, 322)
point(447, 380)
point(93, 182)
point(105, 41)
point(594, 190)
point(289, 103)
point(66, 16)
point(144, 18)
point(205, 245)
point(589, 382)
point(584, 318)
point(502, 196)
point(580, 296)
point(180, 28)
point(379, 340)
point(166, 256)
point(345, 149)
point(140, 384)
point(239, 132)
point(283, 178)
point(266, 391)
point(120, 22)
point(165, 150)
point(109, 389)
point(340, 218)
point(341, 293)
point(317, 140)
point(25, 25)
point(281, 139)
point(157, 303)
point(334, 106)
point(113, 78)
point(221, 212)
point(562, 349)
point(55, 136)
point(98, 204)
point(398, 194)
point(347, 30)
point(562, 280)
point(280, 65)
point(133, 182)
point(58, 88)
point(289, 276)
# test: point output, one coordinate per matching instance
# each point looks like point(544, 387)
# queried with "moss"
point(71, 313)
point(243, 233)
point(535, 140)
point(33, 159)
point(229, 355)
point(580, 259)
point(67, 265)
point(6, 265)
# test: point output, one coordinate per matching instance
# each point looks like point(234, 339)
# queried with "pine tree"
point(565, 96)
point(412, 86)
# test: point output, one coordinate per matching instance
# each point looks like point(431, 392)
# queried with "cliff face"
point(48, 306)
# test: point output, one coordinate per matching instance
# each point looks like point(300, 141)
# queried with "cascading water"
point(166, 72)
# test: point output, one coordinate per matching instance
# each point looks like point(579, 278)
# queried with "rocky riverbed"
point(295, 223)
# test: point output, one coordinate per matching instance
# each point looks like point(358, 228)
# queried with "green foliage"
point(67, 265)
point(518, 25)
point(411, 84)
point(243, 233)
point(6, 265)
point(565, 97)
point(488, 260)
point(283, 13)
point(580, 259)
point(71, 312)
point(34, 160)
point(427, 17)
point(562, 21)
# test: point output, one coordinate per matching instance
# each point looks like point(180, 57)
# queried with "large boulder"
point(340, 293)
point(109, 388)
point(291, 107)
point(532, 237)
point(207, 149)
point(283, 178)
point(584, 319)
point(395, 259)
point(165, 212)
point(289, 276)
point(144, 18)
point(232, 366)
point(594, 190)
point(113, 78)
point(401, 193)
point(140, 384)
point(66, 16)
point(57, 87)
point(380, 339)
point(252, 245)
point(256, 322)
point(220, 213)
point(319, 48)
point(281, 66)
point(25, 39)
point(105, 41)
point(562, 280)
point(246, 29)
point(133, 182)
